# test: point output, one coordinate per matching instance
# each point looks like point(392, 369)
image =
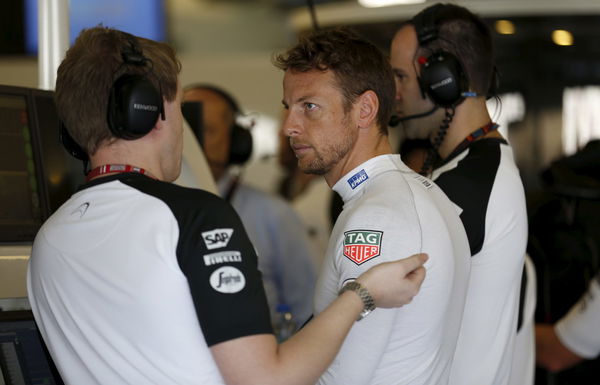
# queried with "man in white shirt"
point(338, 96)
point(444, 70)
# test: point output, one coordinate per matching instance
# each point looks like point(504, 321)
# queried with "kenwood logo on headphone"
point(441, 83)
point(145, 107)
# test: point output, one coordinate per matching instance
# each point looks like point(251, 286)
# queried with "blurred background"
point(548, 57)
point(547, 51)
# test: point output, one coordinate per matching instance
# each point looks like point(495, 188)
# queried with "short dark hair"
point(87, 73)
point(357, 64)
point(464, 35)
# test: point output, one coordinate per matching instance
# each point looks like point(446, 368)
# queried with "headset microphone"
point(395, 119)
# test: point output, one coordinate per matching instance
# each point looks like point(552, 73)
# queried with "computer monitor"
point(62, 173)
point(24, 359)
point(36, 174)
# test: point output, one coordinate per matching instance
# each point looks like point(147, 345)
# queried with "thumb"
point(414, 262)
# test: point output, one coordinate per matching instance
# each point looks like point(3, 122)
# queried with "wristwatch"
point(364, 295)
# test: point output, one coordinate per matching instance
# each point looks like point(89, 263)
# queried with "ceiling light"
point(562, 37)
point(385, 3)
point(505, 27)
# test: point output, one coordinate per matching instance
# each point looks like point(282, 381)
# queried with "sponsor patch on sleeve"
point(362, 245)
point(217, 238)
point(355, 180)
point(228, 280)
point(222, 257)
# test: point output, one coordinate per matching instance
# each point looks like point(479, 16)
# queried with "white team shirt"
point(390, 213)
point(132, 281)
point(485, 183)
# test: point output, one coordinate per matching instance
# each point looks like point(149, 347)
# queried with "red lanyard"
point(113, 168)
point(470, 139)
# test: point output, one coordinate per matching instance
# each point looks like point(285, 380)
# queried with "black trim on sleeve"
point(206, 220)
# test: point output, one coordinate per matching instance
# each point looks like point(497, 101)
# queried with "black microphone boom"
point(395, 119)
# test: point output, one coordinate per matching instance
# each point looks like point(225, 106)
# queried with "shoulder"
point(183, 198)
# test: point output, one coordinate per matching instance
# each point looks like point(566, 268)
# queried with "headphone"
point(240, 148)
point(134, 104)
point(442, 77)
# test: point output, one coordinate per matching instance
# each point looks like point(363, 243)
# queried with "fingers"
point(394, 284)
point(417, 276)
point(414, 262)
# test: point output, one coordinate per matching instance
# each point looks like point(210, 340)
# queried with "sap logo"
point(217, 238)
point(228, 280)
point(357, 179)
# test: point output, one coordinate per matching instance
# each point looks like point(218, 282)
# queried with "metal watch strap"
point(365, 296)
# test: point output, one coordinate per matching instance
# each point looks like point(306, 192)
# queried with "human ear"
point(368, 104)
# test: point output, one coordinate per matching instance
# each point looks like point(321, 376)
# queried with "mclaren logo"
point(81, 210)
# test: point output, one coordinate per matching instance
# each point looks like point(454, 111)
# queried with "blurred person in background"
point(285, 257)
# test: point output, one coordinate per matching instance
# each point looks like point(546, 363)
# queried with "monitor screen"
point(21, 211)
point(62, 173)
point(36, 174)
point(24, 360)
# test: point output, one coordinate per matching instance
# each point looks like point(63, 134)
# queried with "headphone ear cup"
point(443, 80)
point(241, 145)
point(134, 106)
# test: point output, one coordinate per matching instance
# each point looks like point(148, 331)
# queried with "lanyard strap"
point(113, 168)
point(481, 131)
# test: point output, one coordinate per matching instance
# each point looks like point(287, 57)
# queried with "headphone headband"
point(426, 24)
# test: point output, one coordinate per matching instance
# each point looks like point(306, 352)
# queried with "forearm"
point(258, 360)
point(550, 351)
point(305, 356)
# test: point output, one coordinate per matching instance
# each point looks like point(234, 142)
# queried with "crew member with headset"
point(444, 69)
point(277, 232)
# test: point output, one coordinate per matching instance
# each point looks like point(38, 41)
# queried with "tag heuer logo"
point(362, 245)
